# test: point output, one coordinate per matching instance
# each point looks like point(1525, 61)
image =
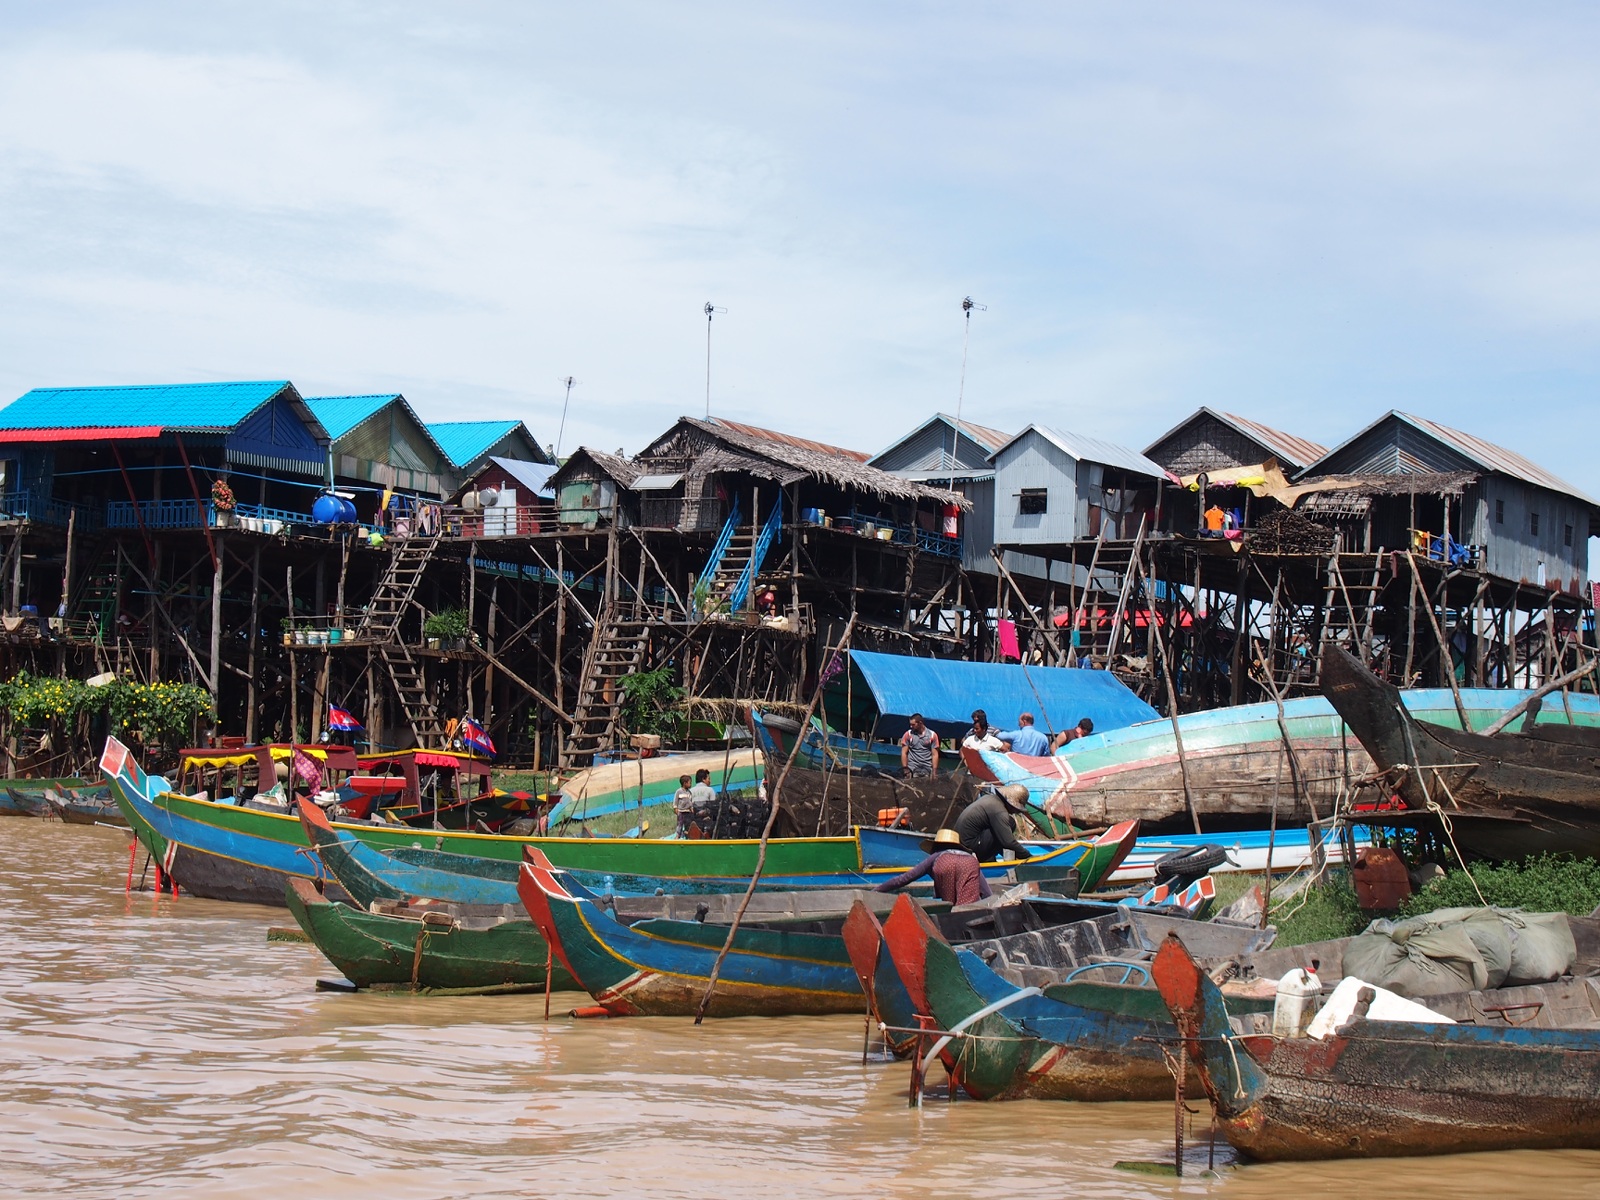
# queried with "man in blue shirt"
point(1026, 740)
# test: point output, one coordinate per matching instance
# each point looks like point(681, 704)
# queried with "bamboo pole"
point(766, 833)
point(1447, 661)
point(1172, 708)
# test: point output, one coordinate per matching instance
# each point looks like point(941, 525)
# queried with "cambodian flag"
point(338, 718)
point(475, 737)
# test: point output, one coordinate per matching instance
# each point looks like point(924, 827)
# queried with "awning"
point(656, 483)
point(945, 692)
point(88, 433)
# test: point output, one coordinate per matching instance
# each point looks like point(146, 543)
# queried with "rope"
point(1444, 820)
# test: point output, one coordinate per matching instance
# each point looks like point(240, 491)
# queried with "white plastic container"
point(1299, 997)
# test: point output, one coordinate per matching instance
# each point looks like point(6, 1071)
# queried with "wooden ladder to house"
point(1348, 609)
point(396, 590)
point(616, 651)
point(416, 700)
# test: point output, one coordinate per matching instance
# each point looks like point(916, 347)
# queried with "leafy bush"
point(649, 703)
point(1549, 883)
point(164, 712)
point(446, 623)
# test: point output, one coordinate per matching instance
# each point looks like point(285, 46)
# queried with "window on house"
point(1499, 512)
point(1566, 537)
point(1033, 502)
point(1533, 523)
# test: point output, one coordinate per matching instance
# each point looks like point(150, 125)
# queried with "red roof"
point(788, 439)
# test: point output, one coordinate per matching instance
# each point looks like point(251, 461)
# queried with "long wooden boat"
point(1383, 1088)
point(436, 948)
point(24, 802)
point(636, 794)
point(1507, 796)
point(85, 806)
point(1235, 759)
point(887, 999)
point(369, 875)
point(1102, 857)
point(662, 967)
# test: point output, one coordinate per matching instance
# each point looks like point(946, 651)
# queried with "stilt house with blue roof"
point(380, 444)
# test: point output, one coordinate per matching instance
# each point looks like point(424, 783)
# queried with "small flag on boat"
point(308, 769)
point(338, 718)
point(475, 737)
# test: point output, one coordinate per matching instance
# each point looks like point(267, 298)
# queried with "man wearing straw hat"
point(954, 870)
point(988, 825)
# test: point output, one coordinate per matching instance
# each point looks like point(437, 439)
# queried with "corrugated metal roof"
point(946, 691)
point(170, 405)
point(465, 441)
point(1290, 450)
point(340, 414)
point(787, 439)
point(533, 476)
point(1084, 448)
point(1486, 454)
point(990, 439)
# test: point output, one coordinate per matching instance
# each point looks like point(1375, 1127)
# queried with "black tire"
point(1189, 863)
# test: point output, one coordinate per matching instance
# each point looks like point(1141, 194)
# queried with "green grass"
point(1550, 883)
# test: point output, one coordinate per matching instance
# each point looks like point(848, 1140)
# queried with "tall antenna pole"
point(967, 305)
point(710, 310)
point(562, 430)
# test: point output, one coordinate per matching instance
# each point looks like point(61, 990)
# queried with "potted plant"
point(301, 634)
point(447, 625)
point(287, 625)
point(223, 502)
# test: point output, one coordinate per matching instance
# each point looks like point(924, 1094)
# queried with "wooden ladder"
point(617, 651)
point(416, 701)
point(396, 590)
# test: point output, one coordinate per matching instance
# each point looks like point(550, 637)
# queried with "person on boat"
point(1025, 739)
point(702, 792)
point(683, 805)
point(919, 748)
point(952, 867)
point(980, 736)
point(1082, 729)
point(988, 825)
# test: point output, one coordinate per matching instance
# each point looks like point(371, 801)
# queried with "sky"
point(1306, 214)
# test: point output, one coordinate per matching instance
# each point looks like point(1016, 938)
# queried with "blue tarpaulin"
point(945, 692)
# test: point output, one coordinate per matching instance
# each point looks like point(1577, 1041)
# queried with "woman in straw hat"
point(954, 870)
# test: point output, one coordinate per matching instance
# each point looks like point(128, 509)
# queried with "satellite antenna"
point(967, 305)
point(561, 431)
point(710, 311)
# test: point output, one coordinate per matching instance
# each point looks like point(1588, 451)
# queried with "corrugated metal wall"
point(1514, 551)
point(1035, 462)
point(1395, 448)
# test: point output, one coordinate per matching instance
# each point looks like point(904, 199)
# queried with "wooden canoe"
point(1383, 1088)
point(440, 948)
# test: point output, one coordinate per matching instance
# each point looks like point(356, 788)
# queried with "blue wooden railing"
point(911, 535)
point(758, 552)
point(23, 505)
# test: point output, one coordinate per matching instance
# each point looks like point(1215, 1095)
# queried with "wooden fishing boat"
point(451, 948)
point(662, 967)
point(368, 874)
point(1098, 858)
point(1384, 1088)
point(888, 1002)
point(1029, 1028)
point(1235, 758)
point(85, 806)
point(635, 794)
point(1506, 796)
point(24, 802)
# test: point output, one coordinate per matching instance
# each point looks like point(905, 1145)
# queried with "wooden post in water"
point(772, 815)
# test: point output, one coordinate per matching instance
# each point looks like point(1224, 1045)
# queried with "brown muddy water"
point(161, 1047)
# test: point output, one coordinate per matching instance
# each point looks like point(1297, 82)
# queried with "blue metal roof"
point(945, 692)
point(172, 405)
point(340, 414)
point(466, 441)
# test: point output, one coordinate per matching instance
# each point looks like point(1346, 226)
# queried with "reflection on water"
point(160, 1046)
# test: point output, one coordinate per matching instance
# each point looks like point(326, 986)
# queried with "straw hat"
point(945, 839)
point(1015, 795)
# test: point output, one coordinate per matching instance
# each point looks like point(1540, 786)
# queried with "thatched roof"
point(1350, 487)
point(585, 461)
point(734, 449)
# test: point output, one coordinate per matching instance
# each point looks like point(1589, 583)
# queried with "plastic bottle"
point(1298, 998)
